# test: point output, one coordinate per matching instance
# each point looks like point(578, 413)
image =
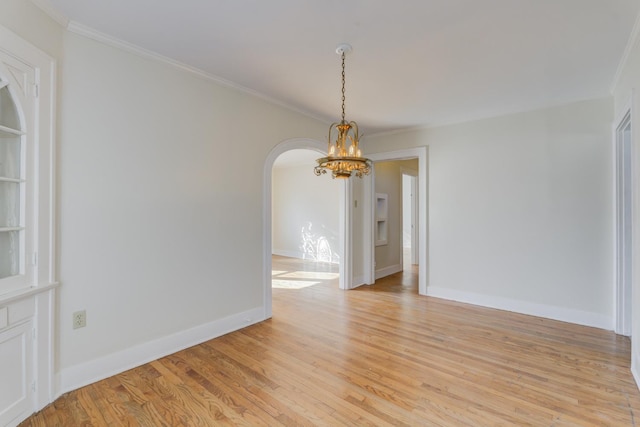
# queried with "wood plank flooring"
point(379, 355)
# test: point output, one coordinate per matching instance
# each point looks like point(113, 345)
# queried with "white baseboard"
point(357, 282)
point(533, 309)
point(388, 271)
point(95, 370)
point(296, 254)
point(634, 369)
point(288, 254)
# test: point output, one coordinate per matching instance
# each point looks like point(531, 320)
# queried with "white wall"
point(305, 213)
point(160, 207)
point(521, 210)
point(629, 76)
point(29, 22)
point(630, 81)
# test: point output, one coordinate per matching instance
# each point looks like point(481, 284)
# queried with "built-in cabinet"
point(27, 224)
point(17, 386)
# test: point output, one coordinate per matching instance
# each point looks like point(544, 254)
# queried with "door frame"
point(624, 194)
point(421, 153)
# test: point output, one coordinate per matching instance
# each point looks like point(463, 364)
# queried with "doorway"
point(409, 218)
point(305, 223)
point(420, 153)
point(267, 243)
point(624, 220)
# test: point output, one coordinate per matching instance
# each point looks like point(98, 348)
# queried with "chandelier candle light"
point(343, 162)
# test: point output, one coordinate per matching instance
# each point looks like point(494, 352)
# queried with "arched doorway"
point(283, 147)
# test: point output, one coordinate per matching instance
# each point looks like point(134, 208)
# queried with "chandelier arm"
point(354, 125)
point(333, 125)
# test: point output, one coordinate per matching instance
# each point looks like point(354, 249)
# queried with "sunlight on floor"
point(299, 279)
point(318, 275)
point(293, 273)
point(292, 284)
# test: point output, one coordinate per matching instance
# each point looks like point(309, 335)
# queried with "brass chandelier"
point(343, 161)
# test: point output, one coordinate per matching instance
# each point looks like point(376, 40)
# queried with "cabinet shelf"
point(7, 132)
point(381, 219)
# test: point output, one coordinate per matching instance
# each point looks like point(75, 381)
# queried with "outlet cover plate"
point(79, 319)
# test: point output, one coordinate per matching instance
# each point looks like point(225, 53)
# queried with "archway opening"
point(318, 244)
point(305, 223)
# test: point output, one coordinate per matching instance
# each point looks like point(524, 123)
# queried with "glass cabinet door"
point(12, 189)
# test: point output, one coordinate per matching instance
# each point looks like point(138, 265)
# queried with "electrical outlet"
point(79, 319)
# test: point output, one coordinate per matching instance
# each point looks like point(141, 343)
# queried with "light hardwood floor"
point(379, 355)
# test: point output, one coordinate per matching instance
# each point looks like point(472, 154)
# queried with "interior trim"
point(562, 314)
point(90, 33)
point(89, 372)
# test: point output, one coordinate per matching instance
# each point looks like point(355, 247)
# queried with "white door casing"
point(624, 203)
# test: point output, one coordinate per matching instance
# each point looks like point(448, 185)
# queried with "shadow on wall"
point(319, 245)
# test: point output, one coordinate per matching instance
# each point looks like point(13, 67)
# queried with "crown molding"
point(88, 32)
point(83, 30)
point(633, 39)
point(46, 7)
point(480, 117)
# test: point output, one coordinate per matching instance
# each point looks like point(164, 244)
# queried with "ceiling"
point(414, 62)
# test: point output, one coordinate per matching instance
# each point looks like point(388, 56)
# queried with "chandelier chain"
point(343, 79)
